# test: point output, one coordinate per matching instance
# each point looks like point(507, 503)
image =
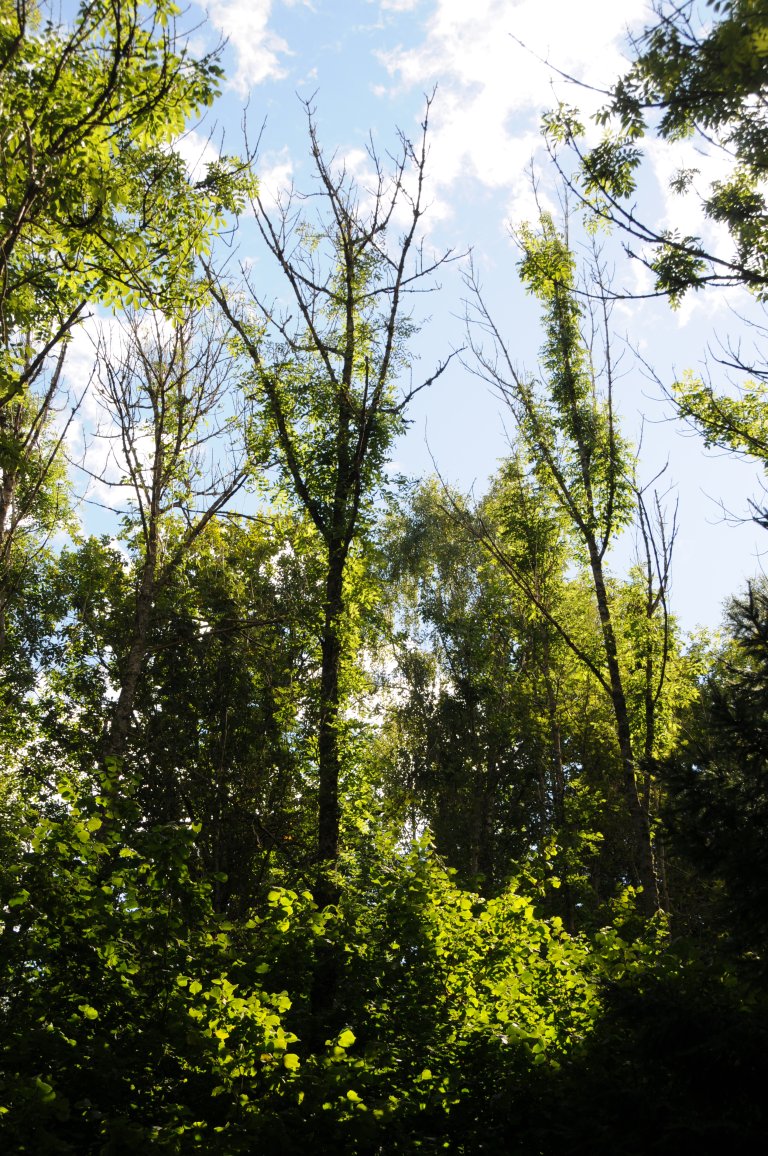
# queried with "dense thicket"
point(340, 814)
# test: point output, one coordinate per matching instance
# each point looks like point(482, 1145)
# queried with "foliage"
point(138, 1017)
point(717, 785)
point(96, 203)
point(737, 423)
point(111, 1043)
point(321, 826)
point(698, 73)
point(691, 77)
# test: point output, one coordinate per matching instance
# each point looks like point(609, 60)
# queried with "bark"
point(483, 859)
point(555, 736)
point(328, 730)
point(638, 813)
point(558, 779)
point(6, 502)
point(130, 674)
point(325, 980)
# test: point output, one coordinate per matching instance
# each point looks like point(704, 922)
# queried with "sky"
point(494, 66)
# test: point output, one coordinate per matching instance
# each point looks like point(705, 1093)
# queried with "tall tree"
point(577, 452)
point(498, 734)
point(96, 203)
point(698, 74)
point(34, 501)
point(164, 389)
point(323, 373)
point(457, 718)
point(717, 788)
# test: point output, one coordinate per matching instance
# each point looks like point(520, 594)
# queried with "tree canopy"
point(340, 811)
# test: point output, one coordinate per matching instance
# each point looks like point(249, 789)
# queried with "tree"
point(33, 496)
point(718, 787)
point(323, 374)
point(96, 206)
point(731, 415)
point(164, 393)
point(221, 736)
point(704, 80)
point(496, 732)
point(96, 203)
point(567, 723)
point(465, 745)
point(578, 455)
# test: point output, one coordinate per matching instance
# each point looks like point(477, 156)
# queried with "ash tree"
point(96, 208)
point(695, 75)
point(95, 202)
point(698, 74)
point(322, 372)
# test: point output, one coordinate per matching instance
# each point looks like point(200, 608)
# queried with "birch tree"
point(163, 391)
point(569, 427)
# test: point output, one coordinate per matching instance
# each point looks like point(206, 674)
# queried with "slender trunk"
point(638, 813)
point(558, 773)
point(649, 764)
point(130, 674)
point(485, 796)
point(558, 780)
point(7, 489)
point(555, 738)
point(328, 730)
point(325, 980)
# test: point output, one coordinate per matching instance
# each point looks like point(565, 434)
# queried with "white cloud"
point(275, 170)
point(359, 167)
point(196, 151)
point(683, 211)
point(492, 91)
point(257, 47)
point(684, 214)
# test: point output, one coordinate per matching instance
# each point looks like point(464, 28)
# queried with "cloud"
point(683, 211)
point(258, 49)
point(492, 91)
point(275, 171)
point(197, 152)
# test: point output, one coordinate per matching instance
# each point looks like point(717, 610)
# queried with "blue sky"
point(366, 65)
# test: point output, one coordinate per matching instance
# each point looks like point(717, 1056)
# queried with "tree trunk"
point(130, 674)
point(638, 814)
point(328, 730)
point(558, 780)
point(7, 488)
